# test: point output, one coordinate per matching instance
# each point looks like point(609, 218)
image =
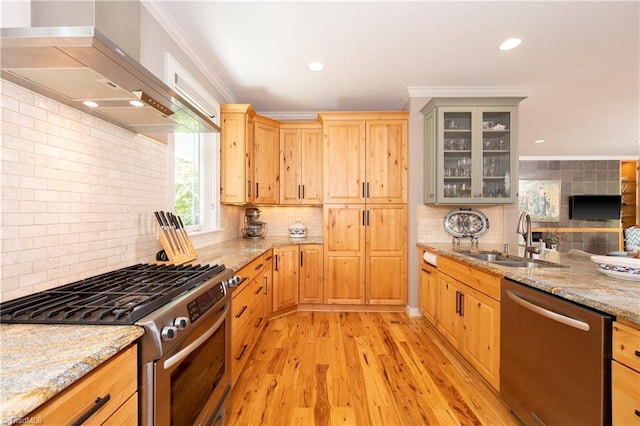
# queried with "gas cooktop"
point(119, 297)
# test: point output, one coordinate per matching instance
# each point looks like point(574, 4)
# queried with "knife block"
point(177, 256)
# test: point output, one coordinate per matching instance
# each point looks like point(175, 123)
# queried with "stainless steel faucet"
point(524, 228)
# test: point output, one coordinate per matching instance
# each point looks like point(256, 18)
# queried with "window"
point(194, 166)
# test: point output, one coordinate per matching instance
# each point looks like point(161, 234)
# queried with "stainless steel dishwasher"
point(555, 359)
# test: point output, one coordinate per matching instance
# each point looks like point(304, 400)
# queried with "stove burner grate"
point(115, 298)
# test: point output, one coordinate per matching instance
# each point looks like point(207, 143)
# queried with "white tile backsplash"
point(77, 194)
point(431, 224)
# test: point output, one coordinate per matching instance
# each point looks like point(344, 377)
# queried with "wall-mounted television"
point(595, 207)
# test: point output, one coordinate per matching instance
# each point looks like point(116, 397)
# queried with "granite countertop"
point(237, 253)
point(39, 361)
point(578, 281)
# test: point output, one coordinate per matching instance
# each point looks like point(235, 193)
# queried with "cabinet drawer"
point(626, 345)
point(244, 340)
point(244, 307)
point(625, 395)
point(118, 378)
point(125, 415)
point(251, 270)
point(477, 279)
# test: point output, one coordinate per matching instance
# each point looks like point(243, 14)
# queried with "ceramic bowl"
point(624, 268)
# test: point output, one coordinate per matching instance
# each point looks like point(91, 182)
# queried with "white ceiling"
point(578, 63)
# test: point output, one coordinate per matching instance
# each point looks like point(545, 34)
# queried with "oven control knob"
point(181, 323)
point(169, 333)
point(234, 281)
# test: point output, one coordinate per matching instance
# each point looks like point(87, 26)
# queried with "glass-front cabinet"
point(470, 151)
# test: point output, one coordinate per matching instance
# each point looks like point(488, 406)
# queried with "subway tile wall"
point(77, 193)
point(431, 224)
point(278, 219)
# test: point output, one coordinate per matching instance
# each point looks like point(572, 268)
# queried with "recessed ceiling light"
point(316, 66)
point(510, 44)
point(539, 141)
point(90, 104)
point(136, 103)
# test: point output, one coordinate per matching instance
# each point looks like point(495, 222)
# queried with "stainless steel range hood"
point(76, 64)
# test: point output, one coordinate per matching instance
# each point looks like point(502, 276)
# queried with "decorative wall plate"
point(466, 223)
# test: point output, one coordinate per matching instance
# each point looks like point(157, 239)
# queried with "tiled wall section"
point(431, 224)
point(278, 219)
point(76, 194)
point(579, 177)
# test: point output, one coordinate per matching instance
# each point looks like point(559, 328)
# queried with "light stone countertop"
point(236, 253)
point(580, 282)
point(39, 361)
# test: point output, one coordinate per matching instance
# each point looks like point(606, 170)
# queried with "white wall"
point(15, 13)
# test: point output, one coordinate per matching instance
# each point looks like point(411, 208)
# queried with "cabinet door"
point(312, 166)
point(266, 164)
point(625, 394)
point(344, 247)
point(344, 161)
point(430, 159)
point(386, 161)
point(427, 292)
point(233, 158)
point(494, 156)
point(290, 166)
point(386, 248)
point(481, 317)
point(455, 141)
point(311, 273)
point(448, 308)
point(285, 277)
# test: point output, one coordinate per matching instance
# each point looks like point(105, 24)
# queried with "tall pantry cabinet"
point(365, 207)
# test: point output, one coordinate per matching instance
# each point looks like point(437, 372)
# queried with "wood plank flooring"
point(360, 368)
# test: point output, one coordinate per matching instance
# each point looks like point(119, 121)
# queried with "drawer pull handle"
point(259, 266)
point(259, 322)
point(424, 270)
point(244, 348)
point(239, 314)
point(258, 290)
point(637, 412)
point(268, 258)
point(637, 352)
point(97, 404)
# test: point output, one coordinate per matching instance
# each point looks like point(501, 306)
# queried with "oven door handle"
point(175, 359)
point(580, 325)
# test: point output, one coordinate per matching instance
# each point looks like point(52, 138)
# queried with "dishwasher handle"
point(580, 325)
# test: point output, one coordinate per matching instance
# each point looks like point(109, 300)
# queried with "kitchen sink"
point(511, 261)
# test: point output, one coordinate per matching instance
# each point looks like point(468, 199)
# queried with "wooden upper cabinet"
point(386, 164)
point(344, 161)
point(235, 136)
point(365, 157)
point(249, 151)
point(301, 163)
point(266, 167)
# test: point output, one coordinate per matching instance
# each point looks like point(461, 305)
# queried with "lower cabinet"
point(297, 275)
point(468, 317)
point(249, 308)
point(625, 375)
point(116, 379)
point(427, 289)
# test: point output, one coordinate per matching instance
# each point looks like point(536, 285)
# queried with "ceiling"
point(578, 63)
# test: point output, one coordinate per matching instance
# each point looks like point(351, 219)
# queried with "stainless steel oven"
point(186, 385)
point(188, 380)
point(184, 354)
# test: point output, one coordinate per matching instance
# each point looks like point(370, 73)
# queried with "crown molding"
point(290, 115)
point(576, 157)
point(466, 91)
point(164, 18)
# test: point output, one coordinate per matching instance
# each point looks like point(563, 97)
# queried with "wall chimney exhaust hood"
point(80, 67)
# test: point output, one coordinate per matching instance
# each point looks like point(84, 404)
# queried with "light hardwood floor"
point(357, 368)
